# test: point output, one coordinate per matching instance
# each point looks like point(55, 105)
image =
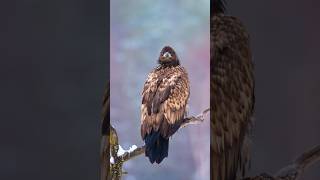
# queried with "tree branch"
point(293, 171)
point(194, 120)
point(129, 155)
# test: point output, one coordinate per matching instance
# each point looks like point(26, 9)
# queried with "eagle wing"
point(232, 97)
point(164, 99)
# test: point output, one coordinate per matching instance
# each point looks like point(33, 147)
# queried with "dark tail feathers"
point(156, 147)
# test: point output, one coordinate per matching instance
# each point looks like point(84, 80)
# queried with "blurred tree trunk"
point(105, 132)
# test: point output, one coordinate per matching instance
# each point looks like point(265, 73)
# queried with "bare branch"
point(195, 120)
point(294, 170)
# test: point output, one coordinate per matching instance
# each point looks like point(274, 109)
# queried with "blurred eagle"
point(164, 100)
point(232, 95)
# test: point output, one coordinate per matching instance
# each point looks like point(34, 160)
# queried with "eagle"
point(164, 104)
point(232, 95)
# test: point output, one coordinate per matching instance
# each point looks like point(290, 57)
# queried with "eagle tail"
point(156, 147)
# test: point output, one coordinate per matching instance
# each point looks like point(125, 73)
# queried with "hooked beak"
point(166, 55)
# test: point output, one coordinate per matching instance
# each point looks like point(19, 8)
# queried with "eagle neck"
point(169, 64)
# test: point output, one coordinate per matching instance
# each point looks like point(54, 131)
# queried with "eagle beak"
point(166, 55)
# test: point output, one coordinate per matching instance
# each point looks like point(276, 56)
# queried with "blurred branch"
point(293, 171)
point(116, 165)
point(105, 132)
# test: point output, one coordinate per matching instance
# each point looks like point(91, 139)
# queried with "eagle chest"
point(165, 97)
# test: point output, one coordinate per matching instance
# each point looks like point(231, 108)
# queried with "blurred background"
point(53, 70)
point(285, 41)
point(139, 30)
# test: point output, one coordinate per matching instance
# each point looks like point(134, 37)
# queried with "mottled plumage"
point(232, 96)
point(164, 99)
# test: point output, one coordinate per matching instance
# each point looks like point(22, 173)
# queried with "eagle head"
point(168, 57)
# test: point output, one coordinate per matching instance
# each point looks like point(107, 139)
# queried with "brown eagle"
point(164, 99)
point(232, 95)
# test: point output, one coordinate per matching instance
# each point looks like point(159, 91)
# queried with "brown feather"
point(232, 97)
point(164, 98)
